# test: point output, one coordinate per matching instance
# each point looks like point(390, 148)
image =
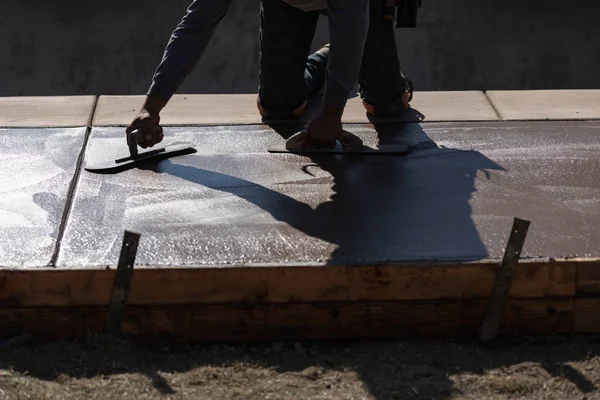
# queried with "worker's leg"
point(286, 34)
point(383, 87)
point(315, 72)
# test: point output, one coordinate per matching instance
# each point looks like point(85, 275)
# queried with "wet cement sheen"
point(452, 198)
point(37, 168)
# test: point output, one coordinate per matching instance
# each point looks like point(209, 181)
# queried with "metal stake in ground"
point(122, 282)
point(503, 282)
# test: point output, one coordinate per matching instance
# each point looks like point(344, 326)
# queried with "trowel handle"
point(132, 143)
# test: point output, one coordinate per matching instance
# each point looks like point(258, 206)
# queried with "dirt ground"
point(104, 368)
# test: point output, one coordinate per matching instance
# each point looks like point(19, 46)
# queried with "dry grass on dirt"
point(104, 368)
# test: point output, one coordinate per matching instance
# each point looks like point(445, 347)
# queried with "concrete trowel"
point(348, 143)
point(121, 164)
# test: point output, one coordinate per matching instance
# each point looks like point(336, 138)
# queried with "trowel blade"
point(156, 154)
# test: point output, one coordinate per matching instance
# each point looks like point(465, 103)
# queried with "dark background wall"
point(57, 47)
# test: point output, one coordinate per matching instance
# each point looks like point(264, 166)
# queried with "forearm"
point(348, 28)
point(186, 45)
point(153, 105)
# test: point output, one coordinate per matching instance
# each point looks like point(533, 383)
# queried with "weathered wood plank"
point(287, 321)
point(166, 286)
point(588, 279)
point(586, 315)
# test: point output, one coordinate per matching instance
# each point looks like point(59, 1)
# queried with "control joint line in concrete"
point(93, 113)
point(69, 199)
point(489, 101)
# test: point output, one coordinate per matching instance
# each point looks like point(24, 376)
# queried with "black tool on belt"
point(403, 11)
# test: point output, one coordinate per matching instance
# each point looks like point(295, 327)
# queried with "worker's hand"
point(325, 130)
point(144, 131)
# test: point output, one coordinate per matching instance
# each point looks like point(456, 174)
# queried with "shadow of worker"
point(382, 208)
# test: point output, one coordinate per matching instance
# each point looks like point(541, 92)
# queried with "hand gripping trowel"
point(348, 143)
point(121, 164)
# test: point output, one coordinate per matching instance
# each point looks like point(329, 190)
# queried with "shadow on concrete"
point(384, 369)
point(383, 208)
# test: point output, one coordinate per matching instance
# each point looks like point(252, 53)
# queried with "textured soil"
point(105, 368)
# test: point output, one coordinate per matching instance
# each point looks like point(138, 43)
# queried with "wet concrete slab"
point(452, 198)
point(38, 166)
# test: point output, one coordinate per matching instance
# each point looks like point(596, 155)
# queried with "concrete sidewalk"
point(542, 105)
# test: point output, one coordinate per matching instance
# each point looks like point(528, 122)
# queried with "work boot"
point(395, 110)
point(324, 49)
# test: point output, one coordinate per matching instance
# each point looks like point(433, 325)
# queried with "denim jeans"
point(288, 76)
point(381, 81)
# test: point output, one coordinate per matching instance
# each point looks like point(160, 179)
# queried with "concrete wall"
point(112, 46)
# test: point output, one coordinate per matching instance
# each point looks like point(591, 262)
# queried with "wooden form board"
point(299, 302)
point(586, 312)
point(288, 321)
point(587, 302)
point(588, 279)
point(169, 286)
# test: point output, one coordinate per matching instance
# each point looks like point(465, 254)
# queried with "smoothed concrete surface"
point(240, 109)
point(546, 104)
point(46, 111)
point(37, 168)
point(452, 199)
